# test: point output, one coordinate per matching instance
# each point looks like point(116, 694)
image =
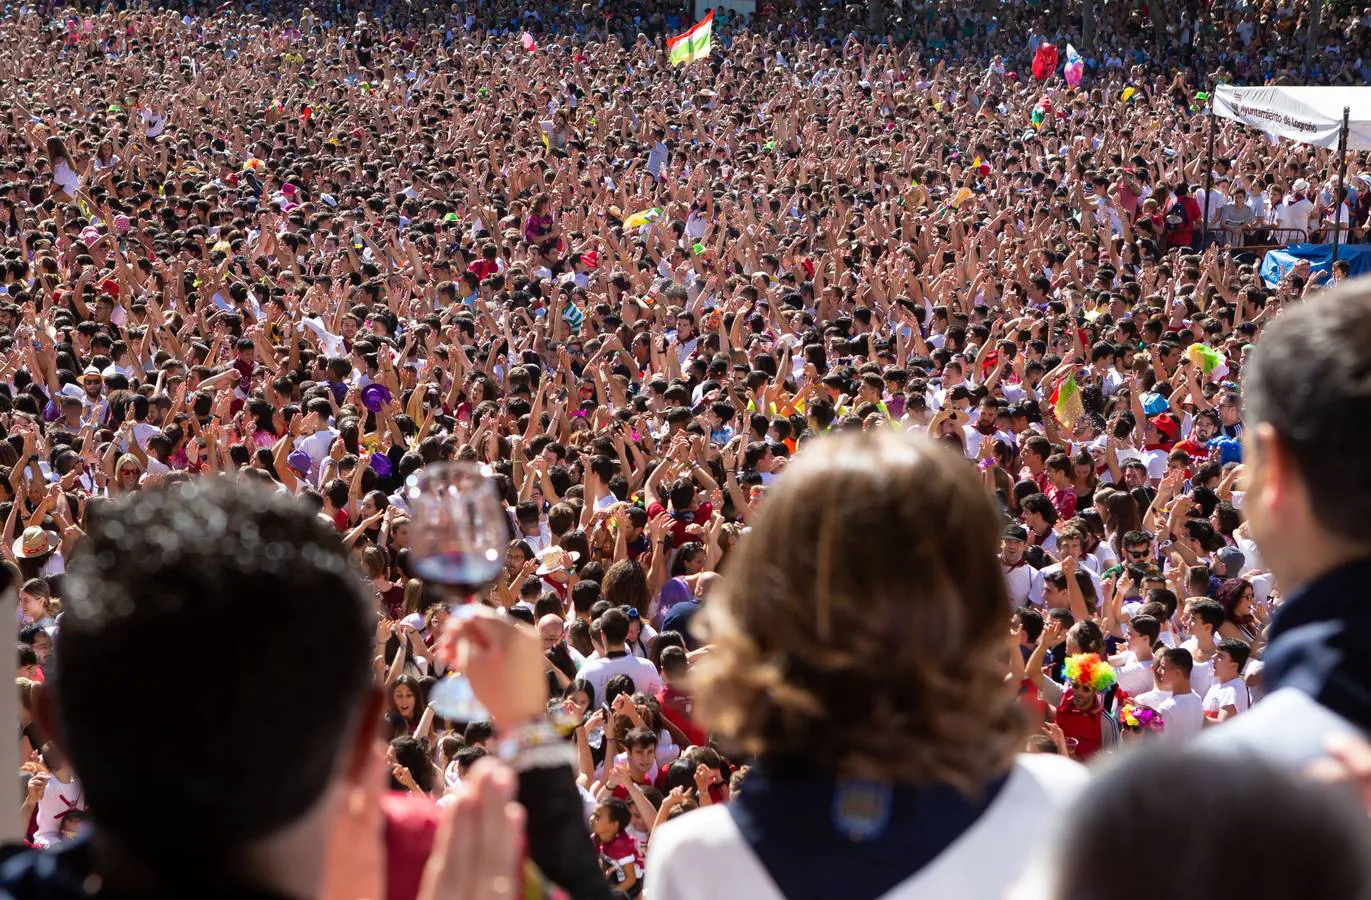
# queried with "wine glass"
point(458, 530)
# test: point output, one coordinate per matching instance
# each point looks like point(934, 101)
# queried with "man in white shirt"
point(1181, 708)
point(315, 436)
point(1023, 582)
point(614, 659)
point(1227, 696)
point(1134, 666)
point(1305, 506)
point(1293, 215)
point(1213, 202)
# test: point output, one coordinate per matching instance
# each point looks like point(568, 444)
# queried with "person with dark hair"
point(1203, 619)
point(614, 659)
point(1134, 665)
point(1315, 836)
point(1228, 695)
point(215, 546)
point(1023, 582)
point(411, 767)
point(1181, 708)
point(620, 855)
point(1039, 517)
point(187, 569)
point(28, 663)
point(1306, 400)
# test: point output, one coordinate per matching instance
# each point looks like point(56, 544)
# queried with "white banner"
point(1310, 115)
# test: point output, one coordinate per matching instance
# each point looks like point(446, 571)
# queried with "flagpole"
point(1208, 174)
point(1341, 187)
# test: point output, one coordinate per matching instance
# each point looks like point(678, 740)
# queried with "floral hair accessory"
point(1136, 717)
point(1087, 670)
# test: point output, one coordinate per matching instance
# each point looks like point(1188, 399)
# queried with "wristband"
point(539, 745)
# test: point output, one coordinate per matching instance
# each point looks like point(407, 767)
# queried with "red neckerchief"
point(1068, 700)
point(1012, 566)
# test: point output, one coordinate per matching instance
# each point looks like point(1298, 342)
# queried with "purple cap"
point(674, 591)
point(380, 464)
point(299, 460)
point(375, 396)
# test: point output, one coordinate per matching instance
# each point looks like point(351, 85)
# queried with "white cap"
point(1300, 185)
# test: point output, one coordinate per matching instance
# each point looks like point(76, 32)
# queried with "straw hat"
point(34, 542)
point(552, 560)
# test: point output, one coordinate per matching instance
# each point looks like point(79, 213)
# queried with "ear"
point(1272, 474)
point(358, 765)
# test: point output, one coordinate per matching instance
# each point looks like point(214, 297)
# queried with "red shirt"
point(244, 370)
point(1183, 236)
point(680, 521)
point(1083, 726)
point(677, 707)
point(1064, 500)
point(483, 268)
point(622, 852)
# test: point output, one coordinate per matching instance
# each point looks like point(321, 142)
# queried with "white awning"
point(1310, 115)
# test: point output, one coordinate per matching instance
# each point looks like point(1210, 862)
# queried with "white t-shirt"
point(1228, 693)
point(1202, 675)
point(599, 671)
point(1135, 675)
point(1182, 713)
point(1293, 214)
point(702, 855)
point(317, 446)
point(58, 799)
point(1102, 559)
point(1024, 584)
point(153, 123)
point(66, 178)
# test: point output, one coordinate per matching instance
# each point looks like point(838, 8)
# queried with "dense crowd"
point(316, 251)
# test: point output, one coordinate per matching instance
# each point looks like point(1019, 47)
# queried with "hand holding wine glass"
point(504, 663)
point(458, 532)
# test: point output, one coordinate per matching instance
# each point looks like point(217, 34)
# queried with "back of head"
point(169, 675)
point(1309, 380)
point(1318, 837)
point(862, 619)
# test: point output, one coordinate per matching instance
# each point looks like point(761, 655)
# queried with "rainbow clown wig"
point(1087, 670)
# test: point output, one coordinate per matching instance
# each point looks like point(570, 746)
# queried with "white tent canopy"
point(1310, 115)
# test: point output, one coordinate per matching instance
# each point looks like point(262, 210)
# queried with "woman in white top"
point(857, 649)
point(66, 178)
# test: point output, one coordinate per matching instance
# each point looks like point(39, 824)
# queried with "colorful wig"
point(1087, 670)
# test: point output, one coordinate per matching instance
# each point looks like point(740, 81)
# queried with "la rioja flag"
point(693, 43)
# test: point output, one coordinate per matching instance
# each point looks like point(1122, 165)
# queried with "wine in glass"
point(458, 530)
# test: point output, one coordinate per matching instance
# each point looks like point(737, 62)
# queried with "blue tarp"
point(1320, 257)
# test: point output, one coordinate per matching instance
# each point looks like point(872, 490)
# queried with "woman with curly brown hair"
point(857, 650)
